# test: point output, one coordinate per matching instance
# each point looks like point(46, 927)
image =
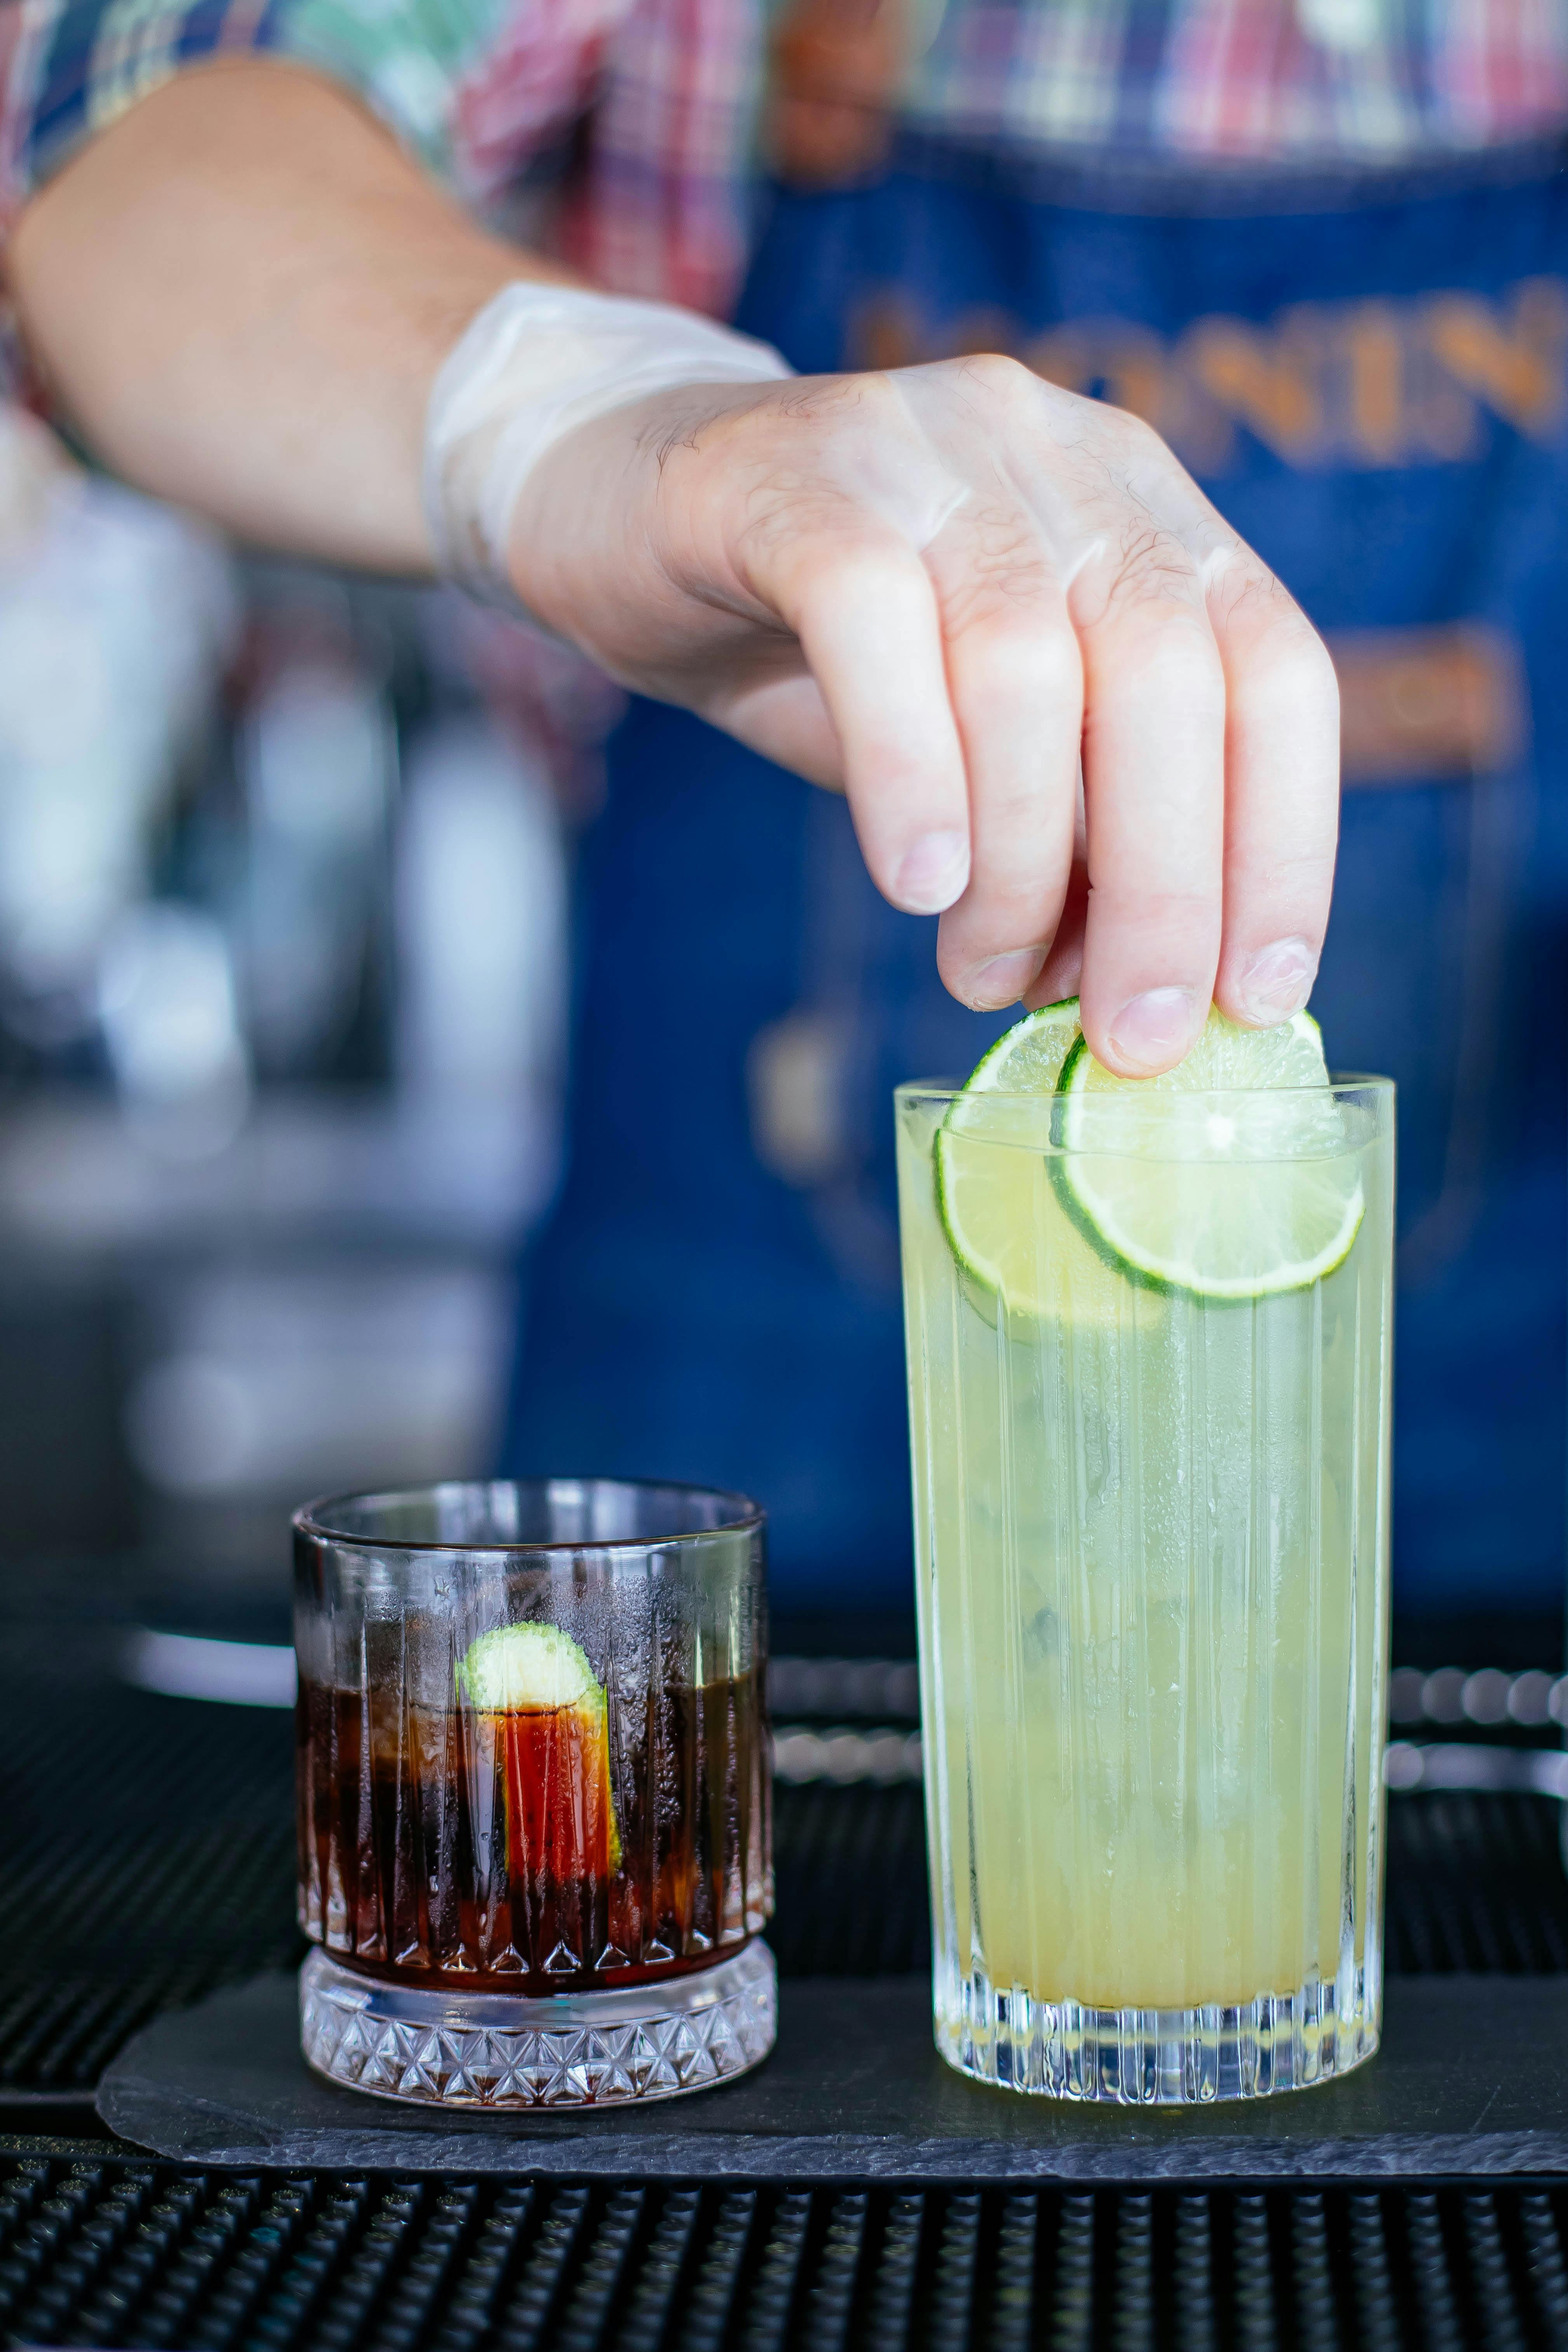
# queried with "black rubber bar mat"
point(138, 2254)
point(1472, 2080)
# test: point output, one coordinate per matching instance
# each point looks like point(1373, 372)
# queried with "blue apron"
point(1371, 385)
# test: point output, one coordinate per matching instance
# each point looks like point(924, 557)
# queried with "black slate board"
point(1472, 2079)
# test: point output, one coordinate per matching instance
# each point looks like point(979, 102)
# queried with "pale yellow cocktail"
point(1152, 1545)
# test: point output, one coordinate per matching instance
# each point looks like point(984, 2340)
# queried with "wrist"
point(538, 363)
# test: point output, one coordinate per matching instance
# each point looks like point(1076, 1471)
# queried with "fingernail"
point(1277, 982)
point(933, 873)
point(1002, 979)
point(1151, 1030)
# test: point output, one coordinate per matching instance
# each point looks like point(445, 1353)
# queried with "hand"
point(932, 590)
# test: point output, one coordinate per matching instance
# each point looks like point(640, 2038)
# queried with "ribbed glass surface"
point(1152, 1544)
point(544, 1849)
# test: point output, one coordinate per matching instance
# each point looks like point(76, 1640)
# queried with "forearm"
point(952, 589)
point(241, 292)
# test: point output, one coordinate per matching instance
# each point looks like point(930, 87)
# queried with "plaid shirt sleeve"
point(653, 97)
point(71, 67)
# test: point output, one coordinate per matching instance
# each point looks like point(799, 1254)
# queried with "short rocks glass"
point(535, 1845)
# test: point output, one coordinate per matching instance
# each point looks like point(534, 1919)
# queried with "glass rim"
point(1340, 1082)
point(743, 1517)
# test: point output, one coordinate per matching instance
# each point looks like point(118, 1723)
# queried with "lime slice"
point(1231, 1177)
point(991, 1165)
point(547, 1722)
point(527, 1669)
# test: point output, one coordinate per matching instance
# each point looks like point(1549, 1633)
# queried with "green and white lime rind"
point(1231, 1177)
point(527, 1669)
point(986, 1197)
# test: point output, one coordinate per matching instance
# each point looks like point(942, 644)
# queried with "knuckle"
point(1301, 666)
point(1283, 654)
point(856, 406)
point(1000, 377)
point(1006, 657)
point(790, 535)
point(1178, 933)
point(1005, 922)
point(1005, 583)
point(1186, 909)
point(1152, 562)
point(1016, 848)
point(1297, 879)
point(1003, 546)
point(812, 533)
point(1133, 434)
point(881, 407)
point(814, 401)
point(1172, 656)
point(1141, 565)
point(1048, 658)
point(991, 381)
point(800, 435)
point(1129, 464)
point(1023, 857)
point(1241, 588)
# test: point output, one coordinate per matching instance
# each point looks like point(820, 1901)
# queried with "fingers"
point(1062, 973)
point(1015, 685)
point(1154, 764)
point(1250, 928)
point(860, 602)
point(1282, 748)
point(784, 718)
point(982, 574)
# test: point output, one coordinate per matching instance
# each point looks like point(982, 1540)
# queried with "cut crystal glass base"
point(1154, 2057)
point(573, 2050)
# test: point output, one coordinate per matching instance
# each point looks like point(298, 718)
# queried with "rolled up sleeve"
point(68, 68)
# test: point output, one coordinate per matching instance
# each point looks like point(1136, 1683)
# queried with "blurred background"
point(284, 865)
point(285, 868)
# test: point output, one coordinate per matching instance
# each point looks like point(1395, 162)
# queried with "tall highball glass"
point(1151, 1542)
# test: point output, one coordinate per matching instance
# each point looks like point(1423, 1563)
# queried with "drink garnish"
point(986, 1196)
point(540, 1701)
point(1230, 1177)
point(525, 1667)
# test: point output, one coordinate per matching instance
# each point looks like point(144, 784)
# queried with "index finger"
point(862, 606)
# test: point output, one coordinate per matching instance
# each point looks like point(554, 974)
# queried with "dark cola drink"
point(508, 1845)
point(534, 1778)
